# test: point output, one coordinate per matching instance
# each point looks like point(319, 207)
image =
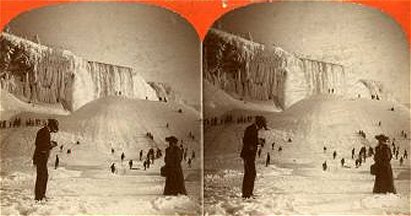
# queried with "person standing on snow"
point(384, 181)
point(41, 156)
point(174, 173)
point(248, 154)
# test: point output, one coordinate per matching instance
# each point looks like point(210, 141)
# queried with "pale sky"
point(369, 43)
point(159, 44)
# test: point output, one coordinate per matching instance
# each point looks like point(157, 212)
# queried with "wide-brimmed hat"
point(382, 137)
point(171, 139)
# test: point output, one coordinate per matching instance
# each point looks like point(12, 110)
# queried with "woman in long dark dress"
point(174, 172)
point(384, 181)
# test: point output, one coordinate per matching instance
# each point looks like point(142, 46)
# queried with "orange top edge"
point(203, 13)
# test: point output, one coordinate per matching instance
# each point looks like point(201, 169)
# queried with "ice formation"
point(247, 69)
point(37, 73)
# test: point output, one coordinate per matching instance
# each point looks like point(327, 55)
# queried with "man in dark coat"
point(384, 181)
point(248, 154)
point(41, 156)
point(174, 173)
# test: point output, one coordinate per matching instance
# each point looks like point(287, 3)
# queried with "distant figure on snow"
point(189, 163)
point(384, 181)
point(324, 149)
point(248, 154)
point(324, 166)
point(113, 168)
point(145, 165)
point(61, 148)
point(401, 161)
point(41, 156)
point(267, 161)
point(334, 154)
point(405, 154)
point(352, 153)
point(259, 152)
point(68, 151)
point(141, 155)
point(280, 149)
point(174, 173)
point(78, 142)
point(56, 163)
point(342, 162)
point(272, 146)
point(112, 151)
point(122, 156)
point(130, 163)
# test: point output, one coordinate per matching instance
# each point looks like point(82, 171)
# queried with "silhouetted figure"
point(267, 161)
point(392, 108)
point(61, 148)
point(189, 162)
point(352, 153)
point(324, 149)
point(174, 173)
point(41, 156)
point(57, 162)
point(113, 168)
point(401, 161)
point(78, 142)
point(379, 123)
point(180, 110)
point(193, 154)
point(384, 181)
point(396, 154)
point(68, 151)
point(185, 155)
point(280, 149)
point(112, 151)
point(148, 163)
point(141, 155)
point(290, 140)
point(248, 154)
point(167, 125)
point(358, 162)
point(324, 166)
point(122, 156)
point(405, 154)
point(334, 154)
point(259, 152)
point(272, 146)
point(342, 162)
point(130, 163)
point(145, 164)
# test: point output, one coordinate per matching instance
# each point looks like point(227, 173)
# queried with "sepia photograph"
point(306, 111)
point(100, 112)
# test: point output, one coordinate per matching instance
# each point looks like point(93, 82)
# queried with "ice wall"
point(247, 69)
point(37, 73)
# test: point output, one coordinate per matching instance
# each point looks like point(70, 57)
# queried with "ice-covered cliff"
point(247, 69)
point(37, 73)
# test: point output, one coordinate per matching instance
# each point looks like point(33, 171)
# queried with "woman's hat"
point(172, 139)
point(53, 124)
point(382, 137)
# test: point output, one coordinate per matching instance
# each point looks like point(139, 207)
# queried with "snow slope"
point(294, 183)
point(83, 184)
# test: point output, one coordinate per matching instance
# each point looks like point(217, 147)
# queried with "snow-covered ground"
point(294, 182)
point(83, 183)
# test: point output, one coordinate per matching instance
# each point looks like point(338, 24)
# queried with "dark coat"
point(43, 145)
point(174, 172)
point(384, 181)
point(250, 143)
